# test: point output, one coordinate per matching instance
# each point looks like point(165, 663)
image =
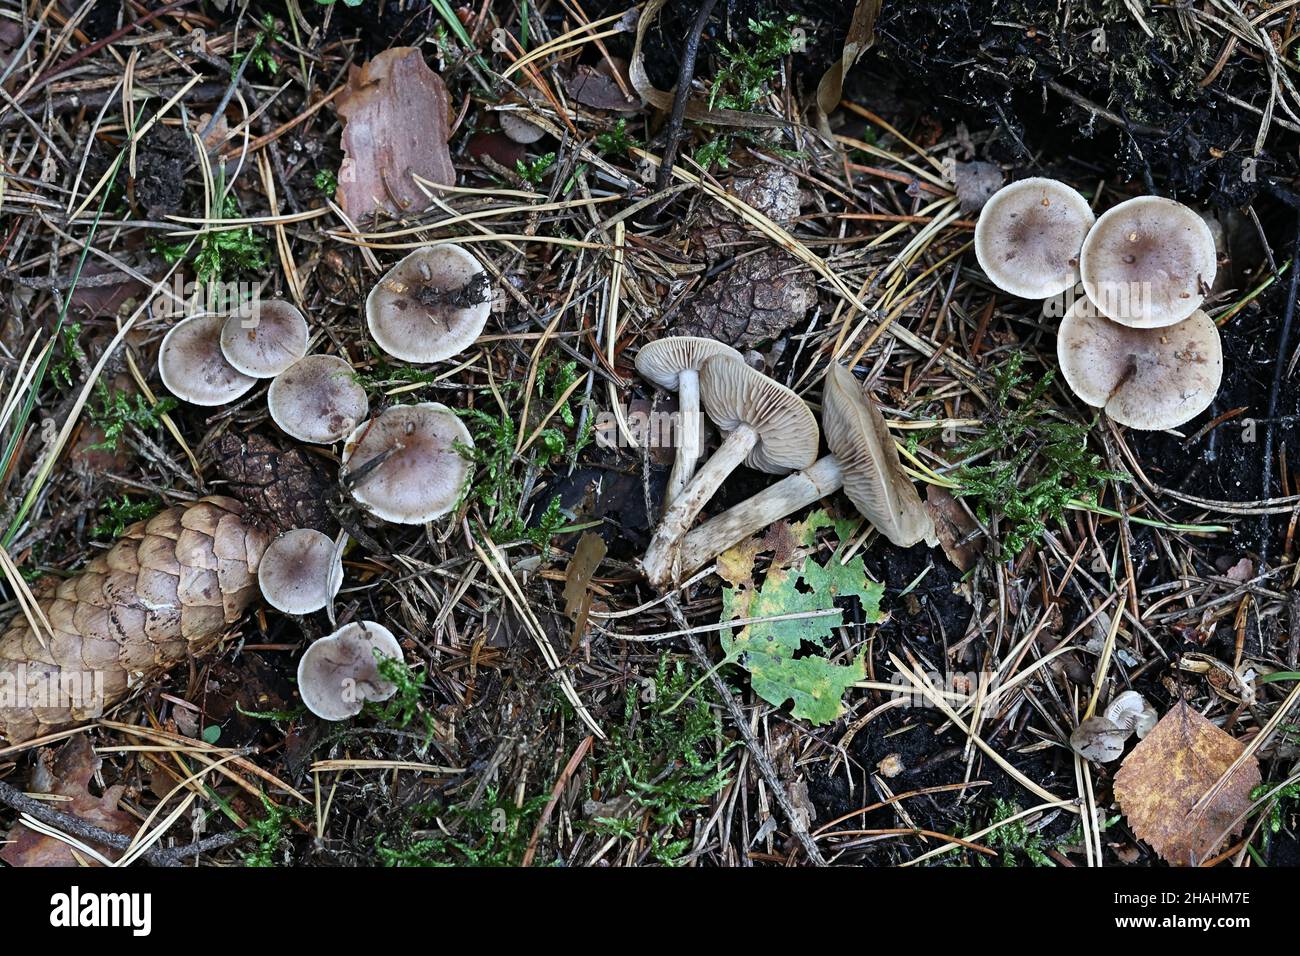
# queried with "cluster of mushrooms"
point(1136, 343)
point(402, 465)
point(769, 428)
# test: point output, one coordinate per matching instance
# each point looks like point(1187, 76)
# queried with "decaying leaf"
point(953, 525)
point(1169, 772)
point(595, 86)
point(976, 183)
point(586, 558)
point(862, 30)
point(395, 111)
point(784, 658)
point(68, 775)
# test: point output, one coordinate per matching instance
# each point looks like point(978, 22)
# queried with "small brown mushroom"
point(339, 673)
point(1149, 262)
point(1028, 237)
point(674, 364)
point(767, 426)
point(1148, 379)
point(317, 399)
point(863, 461)
point(405, 466)
point(430, 306)
point(266, 341)
point(300, 572)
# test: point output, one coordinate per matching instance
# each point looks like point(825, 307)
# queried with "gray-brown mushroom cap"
point(735, 394)
point(300, 572)
point(421, 474)
point(430, 306)
point(1149, 262)
point(519, 129)
point(317, 399)
point(264, 342)
point(873, 477)
point(663, 361)
point(339, 673)
point(1148, 379)
point(1028, 237)
point(192, 367)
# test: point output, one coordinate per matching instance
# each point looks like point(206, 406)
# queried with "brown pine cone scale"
point(168, 589)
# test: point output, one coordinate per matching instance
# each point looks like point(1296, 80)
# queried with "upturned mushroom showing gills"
point(405, 466)
point(1148, 379)
point(863, 461)
point(264, 342)
point(300, 572)
point(674, 364)
point(767, 426)
point(430, 306)
point(1149, 262)
point(339, 673)
point(1028, 237)
point(317, 399)
point(192, 367)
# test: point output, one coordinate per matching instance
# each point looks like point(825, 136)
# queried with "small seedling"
point(259, 54)
point(121, 514)
point(496, 832)
point(222, 252)
point(71, 353)
point(326, 182)
point(270, 832)
point(117, 411)
point(535, 171)
point(615, 142)
point(404, 706)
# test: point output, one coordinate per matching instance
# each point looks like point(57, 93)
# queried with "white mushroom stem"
point(752, 515)
point(688, 434)
point(666, 542)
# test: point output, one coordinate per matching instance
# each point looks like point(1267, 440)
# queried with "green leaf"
point(211, 733)
point(813, 682)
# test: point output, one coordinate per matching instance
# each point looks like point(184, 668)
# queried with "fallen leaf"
point(395, 115)
point(68, 775)
point(952, 524)
point(586, 558)
point(784, 658)
point(976, 183)
point(1169, 772)
point(595, 86)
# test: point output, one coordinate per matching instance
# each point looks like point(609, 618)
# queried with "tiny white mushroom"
point(192, 366)
point(317, 399)
point(1099, 740)
point(300, 572)
point(1132, 712)
point(339, 673)
point(266, 340)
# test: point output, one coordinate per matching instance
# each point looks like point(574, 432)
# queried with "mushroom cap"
point(663, 361)
point(445, 321)
point(423, 476)
point(1148, 262)
point(265, 343)
point(735, 394)
point(873, 477)
point(1148, 379)
point(1132, 712)
point(192, 367)
point(1028, 237)
point(339, 673)
point(1099, 739)
point(300, 571)
point(519, 129)
point(317, 399)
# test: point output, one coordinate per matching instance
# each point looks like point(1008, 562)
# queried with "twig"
point(681, 96)
point(1284, 338)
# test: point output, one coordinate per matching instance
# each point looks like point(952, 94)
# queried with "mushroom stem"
point(665, 545)
point(688, 434)
point(752, 515)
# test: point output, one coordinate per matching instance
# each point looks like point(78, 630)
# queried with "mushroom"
point(266, 341)
point(519, 129)
point(300, 572)
point(192, 367)
point(431, 305)
point(404, 465)
point(674, 364)
point(1132, 712)
point(1099, 739)
point(863, 461)
point(339, 673)
point(1148, 379)
point(1149, 262)
point(767, 426)
point(317, 399)
point(1028, 237)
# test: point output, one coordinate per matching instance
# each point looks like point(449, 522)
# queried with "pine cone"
point(166, 590)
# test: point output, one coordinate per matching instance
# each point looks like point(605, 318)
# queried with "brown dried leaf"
point(69, 776)
point(952, 524)
point(596, 87)
point(395, 110)
point(1164, 777)
point(586, 559)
